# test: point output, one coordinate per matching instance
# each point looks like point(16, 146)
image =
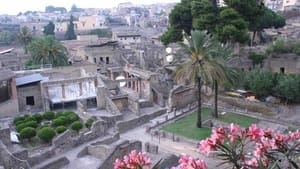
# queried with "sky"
point(13, 7)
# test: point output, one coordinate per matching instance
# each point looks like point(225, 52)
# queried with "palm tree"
point(206, 64)
point(47, 50)
point(25, 36)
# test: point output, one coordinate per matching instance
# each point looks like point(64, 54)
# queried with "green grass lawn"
point(187, 126)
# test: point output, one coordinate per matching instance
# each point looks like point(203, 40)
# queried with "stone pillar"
point(101, 94)
point(46, 105)
point(63, 91)
point(80, 88)
point(14, 94)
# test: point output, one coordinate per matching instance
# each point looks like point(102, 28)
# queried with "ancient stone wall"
point(181, 96)
point(39, 157)
point(133, 105)
point(9, 108)
point(32, 90)
point(5, 135)
point(119, 151)
point(10, 161)
point(111, 107)
point(59, 163)
point(121, 103)
point(124, 126)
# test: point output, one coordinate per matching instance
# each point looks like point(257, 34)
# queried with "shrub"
point(32, 124)
point(43, 126)
point(73, 117)
point(19, 122)
point(38, 117)
point(88, 123)
point(18, 119)
point(77, 125)
point(27, 119)
point(59, 114)
point(27, 133)
point(20, 127)
point(66, 113)
point(46, 134)
point(57, 122)
point(64, 119)
point(60, 129)
point(49, 115)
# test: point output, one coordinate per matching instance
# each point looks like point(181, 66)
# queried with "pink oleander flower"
point(133, 161)
point(234, 133)
point(255, 133)
point(252, 163)
point(187, 162)
point(206, 146)
point(294, 135)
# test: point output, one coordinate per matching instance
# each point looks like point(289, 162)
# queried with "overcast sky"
point(13, 7)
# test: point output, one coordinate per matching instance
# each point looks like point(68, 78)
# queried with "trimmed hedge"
point(20, 127)
point(27, 133)
point(38, 117)
point(49, 115)
point(64, 119)
point(77, 125)
point(18, 120)
point(57, 122)
point(60, 129)
point(46, 134)
point(73, 117)
point(59, 114)
point(32, 124)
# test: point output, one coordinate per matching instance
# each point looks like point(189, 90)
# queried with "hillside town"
point(195, 84)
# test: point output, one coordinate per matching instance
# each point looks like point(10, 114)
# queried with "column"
point(80, 88)
point(63, 91)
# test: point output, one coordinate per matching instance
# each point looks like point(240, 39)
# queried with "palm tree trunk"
point(199, 119)
point(216, 99)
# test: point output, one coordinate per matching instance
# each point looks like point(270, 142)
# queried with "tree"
point(46, 134)
point(49, 29)
point(205, 65)
point(172, 35)
point(47, 50)
point(180, 19)
point(25, 37)
point(205, 15)
point(257, 58)
point(70, 34)
point(232, 28)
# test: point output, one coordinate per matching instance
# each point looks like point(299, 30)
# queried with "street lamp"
point(169, 56)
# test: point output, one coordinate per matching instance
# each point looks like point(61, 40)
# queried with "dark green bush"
point(38, 117)
point(59, 114)
point(42, 126)
point(18, 119)
point(32, 124)
point(46, 134)
point(19, 122)
point(49, 115)
point(60, 129)
point(88, 123)
point(66, 113)
point(57, 122)
point(77, 125)
point(64, 119)
point(72, 117)
point(27, 133)
point(20, 127)
point(27, 119)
